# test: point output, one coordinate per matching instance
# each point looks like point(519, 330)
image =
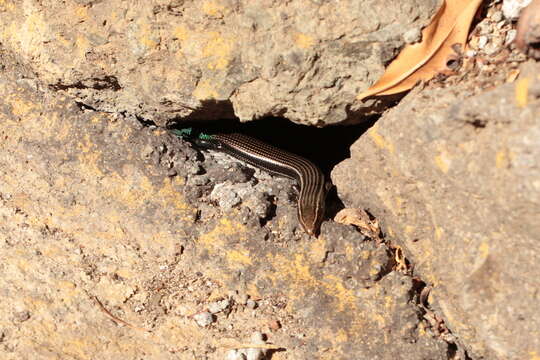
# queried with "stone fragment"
point(204, 318)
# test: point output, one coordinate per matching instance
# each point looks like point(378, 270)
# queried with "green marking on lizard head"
point(204, 136)
point(192, 134)
point(185, 132)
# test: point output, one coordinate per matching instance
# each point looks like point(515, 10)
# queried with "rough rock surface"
point(454, 177)
point(112, 246)
point(303, 60)
point(119, 240)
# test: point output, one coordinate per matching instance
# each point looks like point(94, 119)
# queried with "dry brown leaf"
point(361, 219)
point(441, 41)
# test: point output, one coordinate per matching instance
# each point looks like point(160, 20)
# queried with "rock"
point(212, 59)
point(235, 355)
point(21, 316)
point(225, 195)
point(274, 325)
point(412, 36)
point(512, 8)
point(453, 177)
point(528, 30)
point(510, 36)
point(219, 306)
point(204, 319)
point(496, 16)
point(251, 304)
point(91, 228)
point(254, 354)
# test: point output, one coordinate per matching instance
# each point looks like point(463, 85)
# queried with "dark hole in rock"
point(326, 146)
point(271, 212)
point(454, 64)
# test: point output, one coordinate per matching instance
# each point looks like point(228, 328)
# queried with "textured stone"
point(454, 178)
point(512, 8)
point(160, 60)
point(99, 245)
point(204, 319)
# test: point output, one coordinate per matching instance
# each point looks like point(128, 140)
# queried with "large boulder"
point(453, 175)
point(161, 60)
point(118, 241)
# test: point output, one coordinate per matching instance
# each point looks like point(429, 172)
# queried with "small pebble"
point(497, 16)
point(274, 325)
point(255, 354)
point(258, 204)
point(412, 36)
point(257, 338)
point(482, 41)
point(251, 304)
point(235, 355)
point(510, 36)
point(204, 319)
point(512, 8)
point(147, 150)
point(225, 195)
point(243, 299)
point(470, 53)
point(219, 306)
point(198, 180)
point(493, 46)
point(22, 316)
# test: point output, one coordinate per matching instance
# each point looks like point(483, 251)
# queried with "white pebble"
point(482, 41)
point(512, 8)
point(497, 16)
point(225, 195)
point(235, 355)
point(218, 306)
point(258, 338)
point(510, 36)
point(412, 36)
point(254, 354)
point(470, 53)
point(251, 304)
point(204, 319)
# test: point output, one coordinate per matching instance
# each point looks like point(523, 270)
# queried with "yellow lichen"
point(82, 12)
point(205, 90)
point(522, 92)
point(219, 49)
point(239, 256)
point(379, 140)
point(438, 233)
point(484, 250)
point(213, 8)
point(304, 41)
point(214, 241)
point(181, 33)
point(502, 160)
point(443, 162)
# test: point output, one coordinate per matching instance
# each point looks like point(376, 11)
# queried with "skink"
point(313, 187)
